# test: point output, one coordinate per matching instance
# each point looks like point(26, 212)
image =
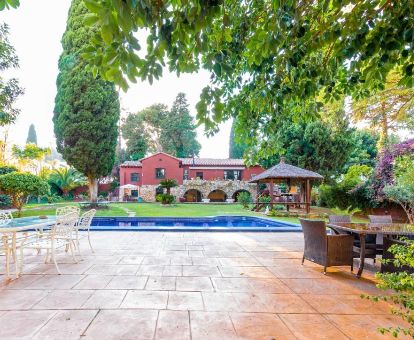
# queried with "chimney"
point(282, 160)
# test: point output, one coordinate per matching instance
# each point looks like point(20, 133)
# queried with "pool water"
point(217, 223)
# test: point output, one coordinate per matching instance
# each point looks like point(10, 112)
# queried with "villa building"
point(199, 179)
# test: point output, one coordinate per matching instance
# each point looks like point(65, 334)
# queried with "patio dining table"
point(9, 232)
point(363, 229)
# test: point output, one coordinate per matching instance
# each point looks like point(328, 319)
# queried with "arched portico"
point(217, 195)
point(193, 195)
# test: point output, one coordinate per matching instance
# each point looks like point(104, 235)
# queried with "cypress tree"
point(31, 135)
point(86, 107)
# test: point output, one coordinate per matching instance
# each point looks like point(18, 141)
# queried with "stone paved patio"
point(147, 285)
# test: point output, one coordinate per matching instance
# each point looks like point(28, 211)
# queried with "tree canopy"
point(269, 60)
point(236, 145)
point(314, 146)
point(86, 107)
point(10, 89)
point(387, 110)
point(179, 136)
point(156, 128)
point(31, 135)
point(20, 185)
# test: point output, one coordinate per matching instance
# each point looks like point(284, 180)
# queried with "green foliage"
point(158, 129)
point(86, 107)
point(10, 89)
point(7, 169)
point(268, 60)
point(402, 190)
point(31, 135)
point(364, 149)
point(401, 284)
point(314, 146)
point(178, 136)
point(351, 192)
point(5, 201)
point(20, 185)
point(236, 145)
point(244, 198)
point(348, 211)
point(165, 198)
point(387, 110)
point(142, 130)
point(168, 183)
point(9, 4)
point(63, 180)
point(264, 200)
point(30, 152)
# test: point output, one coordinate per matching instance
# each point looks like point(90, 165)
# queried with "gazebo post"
point(308, 196)
point(257, 194)
point(271, 193)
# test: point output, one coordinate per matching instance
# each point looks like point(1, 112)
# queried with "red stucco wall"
point(170, 164)
point(173, 170)
point(125, 175)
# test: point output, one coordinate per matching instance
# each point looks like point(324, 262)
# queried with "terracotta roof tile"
point(283, 170)
point(213, 161)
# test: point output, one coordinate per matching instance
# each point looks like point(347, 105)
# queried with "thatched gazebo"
point(291, 175)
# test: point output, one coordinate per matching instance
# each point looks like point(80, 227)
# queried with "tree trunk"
point(93, 189)
point(383, 141)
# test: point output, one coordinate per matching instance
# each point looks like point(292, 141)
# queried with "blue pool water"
point(217, 223)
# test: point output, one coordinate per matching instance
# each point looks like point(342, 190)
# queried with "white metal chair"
point(66, 210)
point(60, 235)
point(84, 224)
point(11, 241)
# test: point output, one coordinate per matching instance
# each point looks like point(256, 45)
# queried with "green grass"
point(155, 209)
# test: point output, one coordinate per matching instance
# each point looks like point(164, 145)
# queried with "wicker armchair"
point(339, 219)
point(323, 249)
point(380, 218)
point(371, 248)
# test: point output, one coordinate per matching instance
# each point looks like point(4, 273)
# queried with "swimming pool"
point(216, 223)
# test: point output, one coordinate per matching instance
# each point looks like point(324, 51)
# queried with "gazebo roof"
point(285, 171)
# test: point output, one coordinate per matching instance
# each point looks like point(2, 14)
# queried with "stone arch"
point(193, 195)
point(217, 195)
point(234, 196)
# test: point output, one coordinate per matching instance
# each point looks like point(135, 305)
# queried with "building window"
point(185, 174)
point(159, 191)
point(232, 175)
point(135, 177)
point(160, 173)
point(134, 193)
point(199, 175)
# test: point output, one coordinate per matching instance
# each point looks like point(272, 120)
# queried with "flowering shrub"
point(384, 171)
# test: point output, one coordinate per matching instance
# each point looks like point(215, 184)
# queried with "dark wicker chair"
point(380, 218)
point(339, 219)
point(371, 248)
point(326, 250)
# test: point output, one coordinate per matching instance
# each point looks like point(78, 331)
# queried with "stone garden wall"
point(147, 192)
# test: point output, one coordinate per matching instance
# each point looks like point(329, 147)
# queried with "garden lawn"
point(156, 210)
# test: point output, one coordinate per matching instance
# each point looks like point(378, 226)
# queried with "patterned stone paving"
point(150, 285)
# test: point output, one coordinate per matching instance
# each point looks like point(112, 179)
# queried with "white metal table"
point(9, 237)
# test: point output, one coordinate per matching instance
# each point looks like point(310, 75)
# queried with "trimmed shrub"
point(5, 201)
point(244, 198)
